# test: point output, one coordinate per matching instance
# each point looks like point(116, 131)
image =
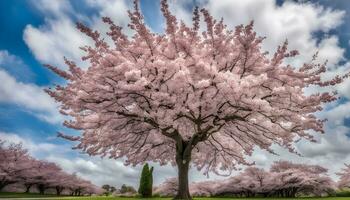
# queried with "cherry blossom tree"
point(18, 168)
point(251, 182)
point(15, 163)
point(60, 182)
point(291, 179)
point(168, 188)
point(231, 187)
point(344, 181)
point(78, 186)
point(33, 176)
point(204, 188)
point(184, 97)
point(47, 175)
point(255, 181)
point(44, 175)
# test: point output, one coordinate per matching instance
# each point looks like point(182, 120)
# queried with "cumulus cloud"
point(293, 21)
point(58, 37)
point(28, 96)
point(99, 171)
point(35, 149)
point(55, 8)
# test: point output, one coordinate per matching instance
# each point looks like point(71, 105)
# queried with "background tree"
point(183, 97)
point(106, 187)
point(127, 189)
point(113, 189)
point(47, 176)
point(284, 179)
point(145, 182)
point(18, 168)
point(205, 188)
point(291, 179)
point(168, 188)
point(344, 174)
point(150, 182)
point(15, 163)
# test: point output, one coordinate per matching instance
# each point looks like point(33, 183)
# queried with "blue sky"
point(36, 32)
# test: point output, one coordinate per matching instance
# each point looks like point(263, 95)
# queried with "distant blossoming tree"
point(344, 181)
point(47, 175)
point(15, 163)
point(290, 179)
point(183, 97)
point(284, 179)
point(18, 169)
point(168, 188)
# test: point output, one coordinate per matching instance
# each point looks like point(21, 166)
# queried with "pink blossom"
point(181, 96)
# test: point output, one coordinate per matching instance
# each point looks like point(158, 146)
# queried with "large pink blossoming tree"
point(186, 97)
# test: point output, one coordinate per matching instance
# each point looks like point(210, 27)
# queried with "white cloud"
point(33, 148)
point(28, 96)
point(58, 37)
point(55, 8)
point(116, 10)
point(292, 21)
point(99, 171)
point(329, 49)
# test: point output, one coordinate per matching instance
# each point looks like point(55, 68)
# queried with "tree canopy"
point(184, 96)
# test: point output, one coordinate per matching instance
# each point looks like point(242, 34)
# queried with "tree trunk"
point(58, 190)
point(41, 189)
point(2, 185)
point(183, 159)
point(28, 186)
point(294, 192)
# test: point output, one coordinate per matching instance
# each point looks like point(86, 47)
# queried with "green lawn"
point(19, 195)
point(54, 197)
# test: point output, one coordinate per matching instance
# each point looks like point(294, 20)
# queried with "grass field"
point(6, 195)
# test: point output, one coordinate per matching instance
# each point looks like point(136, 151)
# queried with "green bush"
point(343, 193)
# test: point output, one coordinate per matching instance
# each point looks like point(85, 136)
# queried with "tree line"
point(19, 169)
point(283, 179)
